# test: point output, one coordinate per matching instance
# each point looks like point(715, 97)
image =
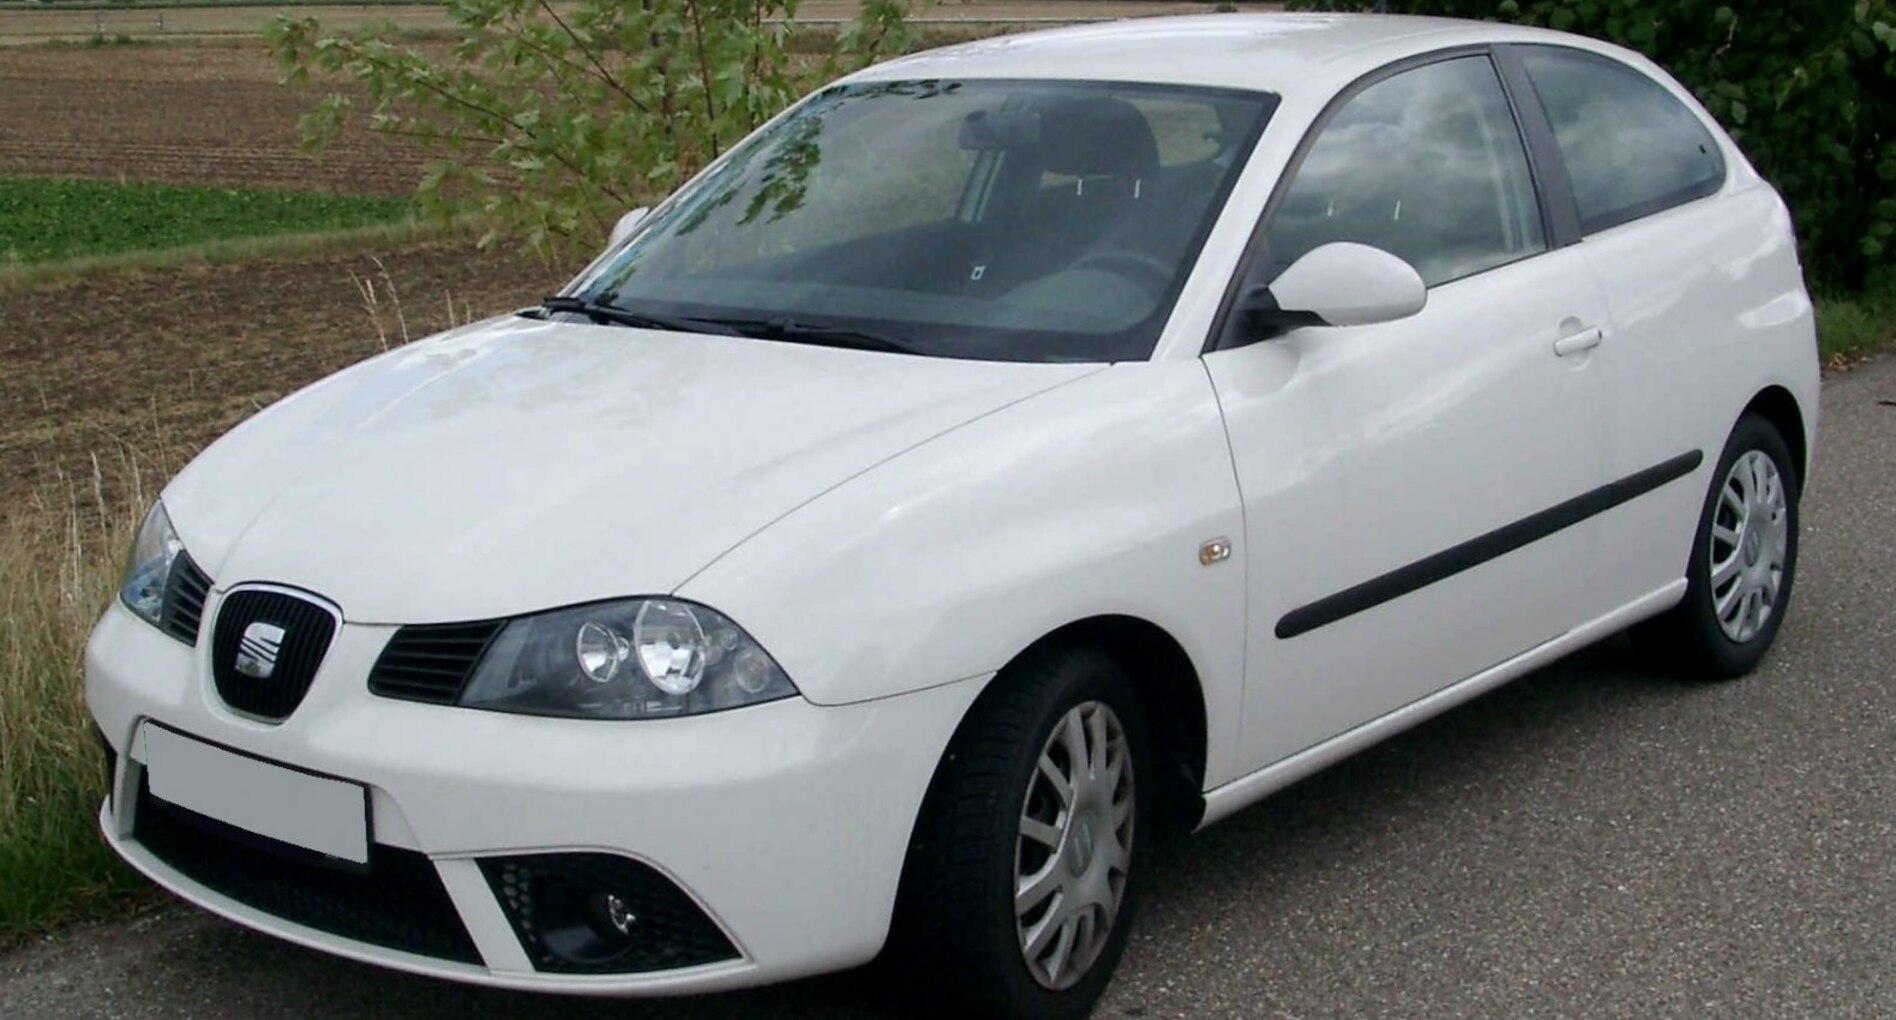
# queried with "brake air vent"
point(431, 663)
point(182, 611)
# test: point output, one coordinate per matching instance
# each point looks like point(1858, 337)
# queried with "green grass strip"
point(53, 219)
point(1851, 327)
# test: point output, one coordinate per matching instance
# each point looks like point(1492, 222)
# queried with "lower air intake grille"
point(595, 913)
point(431, 663)
point(266, 649)
point(111, 767)
point(398, 904)
point(183, 607)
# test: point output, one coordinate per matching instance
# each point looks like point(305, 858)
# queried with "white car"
point(1009, 453)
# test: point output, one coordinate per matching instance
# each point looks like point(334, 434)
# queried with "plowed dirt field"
point(181, 114)
point(162, 361)
point(159, 363)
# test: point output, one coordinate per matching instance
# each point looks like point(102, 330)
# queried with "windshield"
point(1002, 220)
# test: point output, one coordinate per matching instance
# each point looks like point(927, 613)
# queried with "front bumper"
point(785, 823)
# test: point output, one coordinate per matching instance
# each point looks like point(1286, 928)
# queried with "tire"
point(960, 948)
point(1745, 551)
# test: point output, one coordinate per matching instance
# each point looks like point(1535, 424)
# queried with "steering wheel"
point(1149, 272)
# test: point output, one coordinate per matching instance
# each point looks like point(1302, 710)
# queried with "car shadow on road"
point(1315, 831)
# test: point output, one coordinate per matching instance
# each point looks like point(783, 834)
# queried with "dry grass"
point(61, 551)
point(229, 251)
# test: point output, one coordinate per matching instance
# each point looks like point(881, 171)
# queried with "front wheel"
point(1744, 560)
point(1026, 864)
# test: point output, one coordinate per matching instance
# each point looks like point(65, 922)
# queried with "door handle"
point(1574, 343)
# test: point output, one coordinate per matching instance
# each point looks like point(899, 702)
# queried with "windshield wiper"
point(818, 334)
point(788, 330)
point(614, 315)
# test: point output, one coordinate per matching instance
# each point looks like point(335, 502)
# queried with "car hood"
point(518, 465)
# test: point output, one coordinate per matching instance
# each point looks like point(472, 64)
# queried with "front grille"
point(399, 903)
point(558, 905)
point(286, 669)
point(431, 663)
point(183, 608)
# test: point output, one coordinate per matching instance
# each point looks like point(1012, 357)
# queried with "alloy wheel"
point(1749, 544)
point(1074, 848)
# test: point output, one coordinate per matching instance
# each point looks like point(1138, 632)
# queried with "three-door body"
point(1413, 510)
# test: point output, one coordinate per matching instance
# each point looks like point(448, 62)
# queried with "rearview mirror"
point(1339, 284)
point(623, 229)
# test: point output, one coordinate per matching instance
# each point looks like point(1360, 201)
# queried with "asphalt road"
point(1592, 841)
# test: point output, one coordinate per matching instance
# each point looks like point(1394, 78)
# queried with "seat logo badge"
point(257, 652)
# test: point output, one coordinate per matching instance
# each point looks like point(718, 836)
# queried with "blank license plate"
point(329, 816)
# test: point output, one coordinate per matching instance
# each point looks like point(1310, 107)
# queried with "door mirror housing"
point(623, 229)
point(1338, 284)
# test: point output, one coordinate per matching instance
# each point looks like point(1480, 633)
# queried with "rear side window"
point(1631, 148)
point(1426, 165)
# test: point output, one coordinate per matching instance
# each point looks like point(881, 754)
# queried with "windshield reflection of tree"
point(780, 184)
point(949, 217)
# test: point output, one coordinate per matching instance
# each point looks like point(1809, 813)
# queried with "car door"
point(1408, 486)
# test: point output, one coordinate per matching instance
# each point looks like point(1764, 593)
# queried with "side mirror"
point(1339, 284)
point(623, 229)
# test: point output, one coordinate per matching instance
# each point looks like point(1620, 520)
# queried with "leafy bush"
point(1804, 87)
point(554, 121)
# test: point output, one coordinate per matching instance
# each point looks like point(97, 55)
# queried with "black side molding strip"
point(1476, 551)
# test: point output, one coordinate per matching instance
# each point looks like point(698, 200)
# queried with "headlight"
point(632, 659)
point(153, 552)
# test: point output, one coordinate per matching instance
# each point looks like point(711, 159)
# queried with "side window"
point(1631, 148)
point(1427, 165)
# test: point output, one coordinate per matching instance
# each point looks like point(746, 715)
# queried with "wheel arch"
point(1777, 405)
point(1171, 694)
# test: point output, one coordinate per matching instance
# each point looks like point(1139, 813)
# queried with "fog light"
point(611, 917)
point(594, 913)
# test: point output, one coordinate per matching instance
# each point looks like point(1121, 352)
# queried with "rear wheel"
point(1744, 560)
point(1026, 864)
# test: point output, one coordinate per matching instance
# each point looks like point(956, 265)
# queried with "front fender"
point(945, 562)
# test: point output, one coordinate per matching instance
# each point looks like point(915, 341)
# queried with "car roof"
point(1261, 52)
